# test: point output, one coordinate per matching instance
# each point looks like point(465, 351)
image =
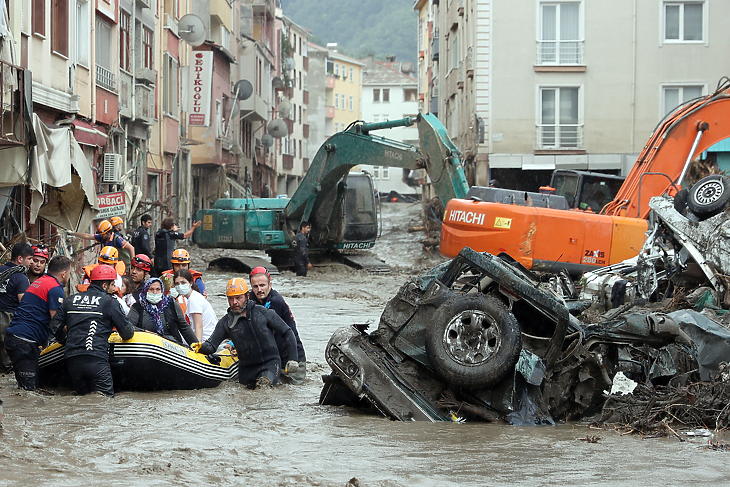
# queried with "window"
point(376, 117)
point(454, 54)
point(409, 94)
point(675, 95)
point(337, 70)
point(300, 148)
point(352, 75)
point(376, 172)
point(560, 40)
point(105, 76)
point(246, 137)
point(82, 32)
point(39, 17)
point(351, 103)
point(386, 95)
point(125, 45)
point(294, 112)
point(172, 85)
point(376, 95)
point(559, 126)
point(59, 27)
point(299, 74)
point(172, 7)
point(683, 21)
point(147, 42)
point(300, 114)
point(219, 120)
point(153, 187)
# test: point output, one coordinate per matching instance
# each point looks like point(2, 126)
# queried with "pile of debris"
point(642, 345)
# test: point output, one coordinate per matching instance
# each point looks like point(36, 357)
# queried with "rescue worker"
point(30, 329)
point(180, 260)
point(164, 243)
point(108, 256)
point(269, 298)
point(107, 237)
point(141, 237)
point(84, 324)
point(301, 249)
point(13, 283)
point(139, 272)
point(118, 225)
point(160, 314)
point(262, 339)
point(37, 263)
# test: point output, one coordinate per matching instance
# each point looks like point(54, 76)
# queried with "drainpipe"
point(633, 76)
point(92, 18)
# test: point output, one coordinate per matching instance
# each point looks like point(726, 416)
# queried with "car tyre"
point(474, 342)
point(680, 200)
point(709, 195)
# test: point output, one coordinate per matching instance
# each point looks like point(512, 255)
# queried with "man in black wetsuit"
point(262, 340)
point(84, 324)
point(301, 249)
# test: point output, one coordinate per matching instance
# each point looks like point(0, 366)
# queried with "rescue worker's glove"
point(196, 346)
point(291, 367)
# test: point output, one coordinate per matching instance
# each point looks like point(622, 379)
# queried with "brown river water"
point(232, 436)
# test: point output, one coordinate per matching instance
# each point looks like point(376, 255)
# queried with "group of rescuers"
point(258, 326)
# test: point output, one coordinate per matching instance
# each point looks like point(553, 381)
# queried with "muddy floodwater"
point(233, 436)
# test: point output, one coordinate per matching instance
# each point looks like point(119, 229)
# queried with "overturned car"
point(482, 338)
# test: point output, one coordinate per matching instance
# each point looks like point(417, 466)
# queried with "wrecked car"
point(482, 338)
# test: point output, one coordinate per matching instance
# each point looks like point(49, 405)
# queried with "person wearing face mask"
point(198, 310)
point(84, 324)
point(160, 314)
point(30, 329)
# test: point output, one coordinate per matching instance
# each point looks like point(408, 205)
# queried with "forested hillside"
point(359, 27)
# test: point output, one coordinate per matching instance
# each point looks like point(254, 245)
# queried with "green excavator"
point(340, 205)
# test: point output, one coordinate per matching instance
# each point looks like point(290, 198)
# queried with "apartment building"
point(389, 92)
point(343, 90)
point(530, 87)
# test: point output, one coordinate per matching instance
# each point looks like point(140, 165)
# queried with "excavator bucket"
point(443, 160)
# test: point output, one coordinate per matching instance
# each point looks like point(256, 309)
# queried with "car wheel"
point(474, 341)
point(680, 200)
point(709, 195)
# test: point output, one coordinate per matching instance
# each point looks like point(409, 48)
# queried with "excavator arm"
point(321, 191)
point(677, 140)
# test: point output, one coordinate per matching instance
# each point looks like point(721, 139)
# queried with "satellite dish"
point(267, 140)
point(284, 108)
point(277, 128)
point(277, 83)
point(244, 88)
point(191, 29)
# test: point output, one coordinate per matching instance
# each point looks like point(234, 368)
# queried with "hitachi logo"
point(461, 216)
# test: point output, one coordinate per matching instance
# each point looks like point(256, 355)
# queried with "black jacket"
point(261, 339)
point(301, 247)
point(173, 322)
point(275, 302)
point(85, 322)
point(164, 245)
point(141, 242)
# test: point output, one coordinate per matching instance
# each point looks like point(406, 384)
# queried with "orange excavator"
point(542, 233)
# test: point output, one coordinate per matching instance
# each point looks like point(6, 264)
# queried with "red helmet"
point(259, 270)
point(41, 252)
point(103, 272)
point(141, 261)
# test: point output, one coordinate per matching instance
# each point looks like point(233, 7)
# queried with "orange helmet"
point(103, 273)
point(109, 255)
point(236, 287)
point(180, 256)
point(115, 220)
point(105, 226)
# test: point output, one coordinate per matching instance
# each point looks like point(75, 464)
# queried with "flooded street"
point(230, 435)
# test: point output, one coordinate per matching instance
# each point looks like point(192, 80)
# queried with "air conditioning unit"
point(144, 3)
point(112, 168)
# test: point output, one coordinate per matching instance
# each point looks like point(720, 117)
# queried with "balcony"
point(105, 78)
point(223, 11)
point(435, 47)
point(144, 103)
point(146, 75)
point(12, 97)
point(305, 63)
point(559, 136)
point(126, 85)
point(305, 97)
point(256, 104)
point(329, 112)
point(330, 81)
point(305, 130)
point(560, 53)
point(305, 164)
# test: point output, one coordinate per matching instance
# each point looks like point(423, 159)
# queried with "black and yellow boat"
point(147, 362)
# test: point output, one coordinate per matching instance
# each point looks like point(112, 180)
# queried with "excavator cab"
point(584, 190)
point(361, 212)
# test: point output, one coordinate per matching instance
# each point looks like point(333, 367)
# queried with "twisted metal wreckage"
point(480, 337)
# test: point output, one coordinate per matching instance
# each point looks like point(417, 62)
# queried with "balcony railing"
point(560, 53)
point(330, 111)
point(12, 97)
point(106, 78)
point(126, 85)
point(562, 136)
point(288, 162)
point(330, 82)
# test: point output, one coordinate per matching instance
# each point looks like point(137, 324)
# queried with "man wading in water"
point(262, 339)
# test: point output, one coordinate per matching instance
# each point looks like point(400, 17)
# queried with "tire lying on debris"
point(709, 195)
point(474, 341)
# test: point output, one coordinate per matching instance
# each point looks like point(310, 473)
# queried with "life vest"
point(184, 307)
point(196, 274)
point(86, 282)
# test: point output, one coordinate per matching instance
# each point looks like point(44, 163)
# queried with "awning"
point(88, 134)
